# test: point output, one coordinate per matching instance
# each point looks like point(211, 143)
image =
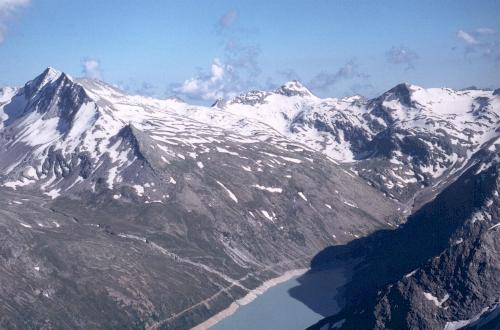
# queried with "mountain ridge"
point(400, 127)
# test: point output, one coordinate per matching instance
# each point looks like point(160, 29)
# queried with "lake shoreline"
point(249, 297)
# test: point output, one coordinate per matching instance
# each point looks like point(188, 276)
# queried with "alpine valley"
point(129, 212)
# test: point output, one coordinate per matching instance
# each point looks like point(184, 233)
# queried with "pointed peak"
point(48, 78)
point(219, 103)
point(132, 136)
point(51, 70)
point(401, 92)
point(50, 74)
point(293, 88)
point(405, 86)
point(400, 87)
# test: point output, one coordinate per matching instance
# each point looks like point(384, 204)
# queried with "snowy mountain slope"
point(54, 125)
point(73, 137)
point(125, 210)
point(407, 138)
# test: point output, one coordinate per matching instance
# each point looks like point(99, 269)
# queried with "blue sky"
point(201, 50)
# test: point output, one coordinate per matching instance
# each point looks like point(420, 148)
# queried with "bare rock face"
point(444, 273)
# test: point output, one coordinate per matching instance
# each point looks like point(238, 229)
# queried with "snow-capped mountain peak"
point(50, 73)
point(219, 103)
point(254, 97)
point(48, 76)
point(400, 93)
point(294, 88)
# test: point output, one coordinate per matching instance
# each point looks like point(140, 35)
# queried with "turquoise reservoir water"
point(294, 304)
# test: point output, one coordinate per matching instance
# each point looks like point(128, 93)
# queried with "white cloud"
point(8, 8)
point(217, 71)
point(235, 70)
point(91, 68)
point(467, 38)
point(208, 86)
